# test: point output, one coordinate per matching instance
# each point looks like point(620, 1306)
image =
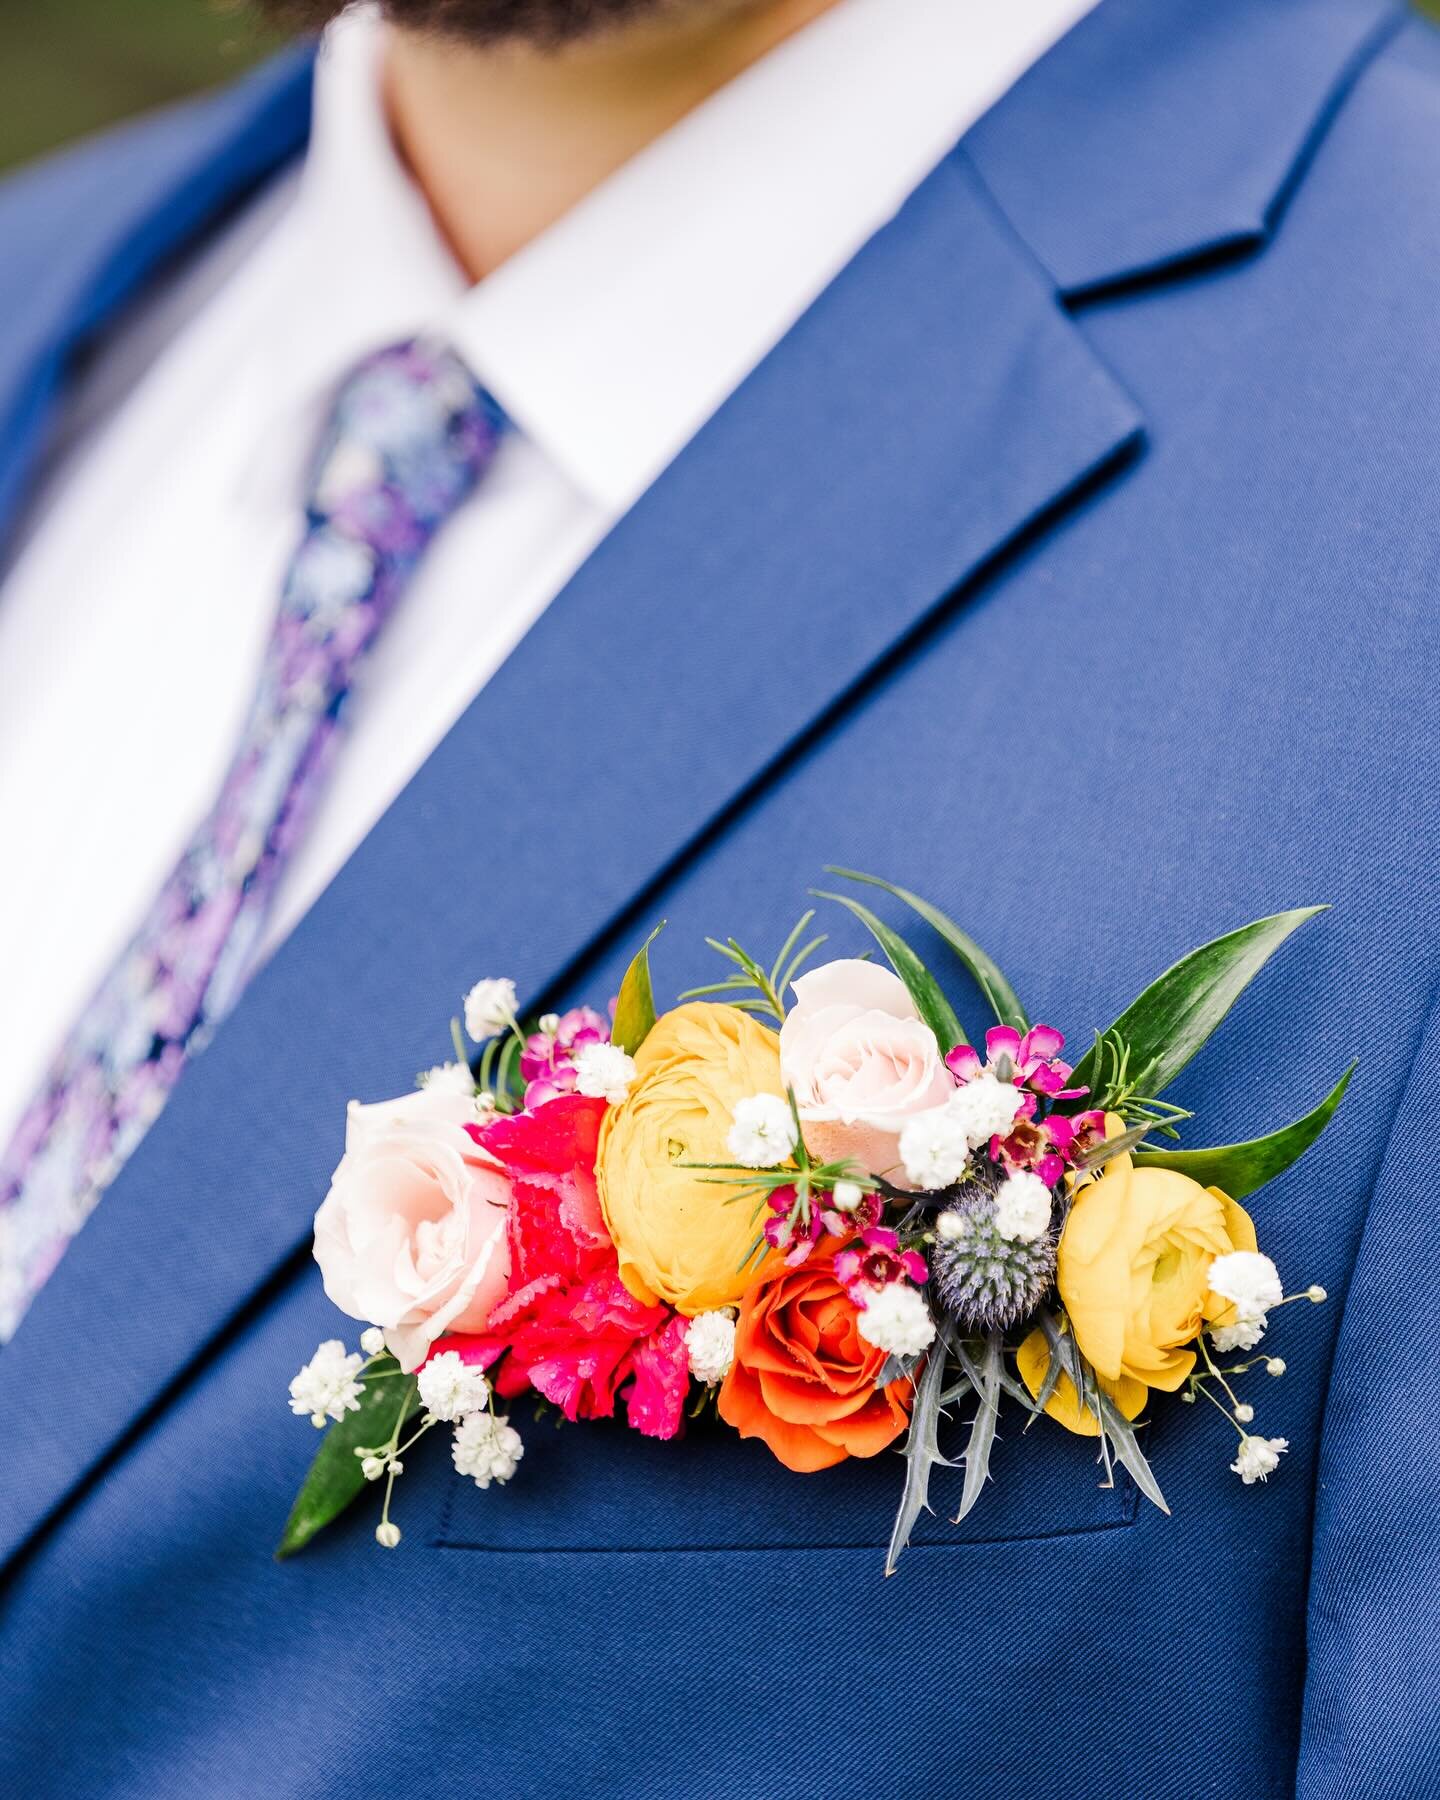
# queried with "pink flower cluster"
point(1045, 1146)
point(876, 1263)
point(547, 1063)
point(1032, 1062)
point(796, 1230)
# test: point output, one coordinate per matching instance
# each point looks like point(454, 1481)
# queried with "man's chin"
point(546, 23)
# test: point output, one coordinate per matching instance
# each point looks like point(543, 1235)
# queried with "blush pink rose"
point(861, 1062)
point(411, 1236)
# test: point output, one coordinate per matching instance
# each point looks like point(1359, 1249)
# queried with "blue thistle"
point(985, 1282)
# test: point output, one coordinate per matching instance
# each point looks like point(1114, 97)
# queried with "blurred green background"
point(69, 66)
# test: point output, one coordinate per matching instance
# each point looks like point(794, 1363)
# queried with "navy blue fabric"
point(1108, 623)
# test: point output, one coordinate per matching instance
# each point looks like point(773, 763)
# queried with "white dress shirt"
point(133, 619)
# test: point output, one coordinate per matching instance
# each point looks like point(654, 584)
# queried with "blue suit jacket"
point(1074, 561)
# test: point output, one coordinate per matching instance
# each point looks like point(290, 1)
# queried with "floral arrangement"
point(805, 1200)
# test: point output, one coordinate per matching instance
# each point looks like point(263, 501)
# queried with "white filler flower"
point(895, 1319)
point(1252, 1283)
point(326, 1387)
point(935, 1148)
point(710, 1345)
point(449, 1078)
point(1244, 1334)
point(763, 1133)
point(451, 1388)
point(372, 1340)
point(985, 1108)
point(1259, 1458)
point(489, 1008)
point(486, 1447)
point(1022, 1208)
point(604, 1072)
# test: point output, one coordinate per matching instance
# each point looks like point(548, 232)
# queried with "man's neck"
point(503, 141)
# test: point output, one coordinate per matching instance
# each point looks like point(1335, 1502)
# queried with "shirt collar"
point(613, 337)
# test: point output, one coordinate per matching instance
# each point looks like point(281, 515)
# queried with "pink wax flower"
point(547, 1063)
point(568, 1326)
point(1048, 1147)
point(797, 1232)
point(1032, 1061)
point(877, 1263)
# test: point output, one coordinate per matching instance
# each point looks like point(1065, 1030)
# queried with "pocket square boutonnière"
point(804, 1200)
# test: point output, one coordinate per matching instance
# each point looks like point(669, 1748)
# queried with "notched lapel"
point(933, 404)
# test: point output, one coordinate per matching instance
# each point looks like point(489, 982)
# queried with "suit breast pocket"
point(599, 1487)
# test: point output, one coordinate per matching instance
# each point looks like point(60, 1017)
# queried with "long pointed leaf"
point(1175, 1015)
point(335, 1478)
point(999, 995)
point(635, 1008)
point(925, 991)
point(1238, 1169)
point(922, 1453)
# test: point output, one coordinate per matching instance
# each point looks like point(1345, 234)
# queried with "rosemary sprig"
point(762, 989)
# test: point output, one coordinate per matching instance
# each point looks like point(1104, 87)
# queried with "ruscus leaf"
point(999, 995)
point(1238, 1169)
point(1176, 1014)
point(925, 991)
point(635, 1008)
point(388, 1398)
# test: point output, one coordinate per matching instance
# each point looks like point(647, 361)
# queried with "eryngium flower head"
point(984, 1281)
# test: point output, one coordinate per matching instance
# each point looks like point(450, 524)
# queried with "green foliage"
point(1176, 1015)
point(999, 995)
point(753, 987)
point(335, 1479)
point(925, 991)
point(635, 1007)
point(72, 66)
point(1238, 1169)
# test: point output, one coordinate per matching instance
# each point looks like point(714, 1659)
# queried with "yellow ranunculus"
point(680, 1237)
point(1133, 1271)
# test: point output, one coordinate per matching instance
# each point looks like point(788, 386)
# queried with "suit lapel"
point(933, 404)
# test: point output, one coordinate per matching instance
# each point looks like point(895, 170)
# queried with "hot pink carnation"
point(568, 1327)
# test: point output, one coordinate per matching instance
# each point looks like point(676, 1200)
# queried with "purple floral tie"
point(409, 436)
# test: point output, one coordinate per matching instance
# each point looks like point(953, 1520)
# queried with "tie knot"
point(409, 433)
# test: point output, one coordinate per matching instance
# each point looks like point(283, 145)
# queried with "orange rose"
point(803, 1378)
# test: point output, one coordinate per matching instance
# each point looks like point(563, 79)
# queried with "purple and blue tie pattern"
point(409, 436)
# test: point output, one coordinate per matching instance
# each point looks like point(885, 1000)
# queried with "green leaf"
point(925, 991)
point(999, 995)
point(922, 1453)
point(1175, 1015)
point(1238, 1169)
point(388, 1399)
point(635, 1008)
